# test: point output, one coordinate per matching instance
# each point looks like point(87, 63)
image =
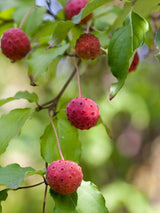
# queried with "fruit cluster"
point(64, 176)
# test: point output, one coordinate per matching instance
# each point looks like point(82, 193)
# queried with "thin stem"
point(57, 139)
point(44, 200)
point(45, 192)
point(31, 186)
point(87, 27)
point(52, 103)
point(68, 81)
point(78, 78)
point(26, 15)
point(70, 55)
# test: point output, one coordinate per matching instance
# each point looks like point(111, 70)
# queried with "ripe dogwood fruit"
point(83, 113)
point(15, 44)
point(64, 176)
point(134, 63)
point(73, 7)
point(87, 46)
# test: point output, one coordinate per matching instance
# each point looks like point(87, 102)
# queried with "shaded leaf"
point(90, 7)
point(65, 203)
point(38, 172)
point(3, 197)
point(90, 199)
point(68, 137)
point(145, 8)
point(7, 14)
point(11, 124)
point(123, 43)
point(13, 175)
point(15, 3)
point(41, 59)
point(61, 31)
point(87, 199)
point(31, 97)
point(158, 57)
point(45, 31)
point(30, 26)
point(157, 40)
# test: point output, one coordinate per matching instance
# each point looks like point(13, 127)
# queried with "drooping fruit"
point(15, 44)
point(134, 63)
point(87, 46)
point(83, 113)
point(73, 7)
point(64, 176)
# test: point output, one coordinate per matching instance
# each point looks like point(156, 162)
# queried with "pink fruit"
point(83, 113)
point(134, 63)
point(87, 46)
point(15, 44)
point(73, 7)
point(64, 176)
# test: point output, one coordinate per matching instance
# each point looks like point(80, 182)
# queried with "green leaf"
point(62, 2)
point(90, 199)
point(45, 31)
point(38, 172)
point(3, 197)
point(41, 59)
point(90, 7)
point(7, 14)
point(122, 46)
point(61, 31)
point(13, 175)
point(158, 57)
point(157, 41)
point(86, 199)
point(115, 87)
point(145, 8)
point(15, 3)
point(68, 137)
point(31, 97)
point(65, 203)
point(30, 26)
point(11, 124)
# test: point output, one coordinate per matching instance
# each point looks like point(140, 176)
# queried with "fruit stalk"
point(26, 15)
point(78, 78)
point(53, 103)
point(57, 139)
point(44, 200)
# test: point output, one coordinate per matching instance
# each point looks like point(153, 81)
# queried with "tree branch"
point(52, 104)
point(31, 186)
point(45, 192)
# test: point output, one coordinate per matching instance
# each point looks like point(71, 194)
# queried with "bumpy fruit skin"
point(87, 46)
point(134, 63)
point(64, 176)
point(83, 113)
point(15, 44)
point(73, 7)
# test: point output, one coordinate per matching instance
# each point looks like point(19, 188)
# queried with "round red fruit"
point(64, 176)
point(134, 63)
point(73, 7)
point(87, 46)
point(83, 113)
point(15, 44)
